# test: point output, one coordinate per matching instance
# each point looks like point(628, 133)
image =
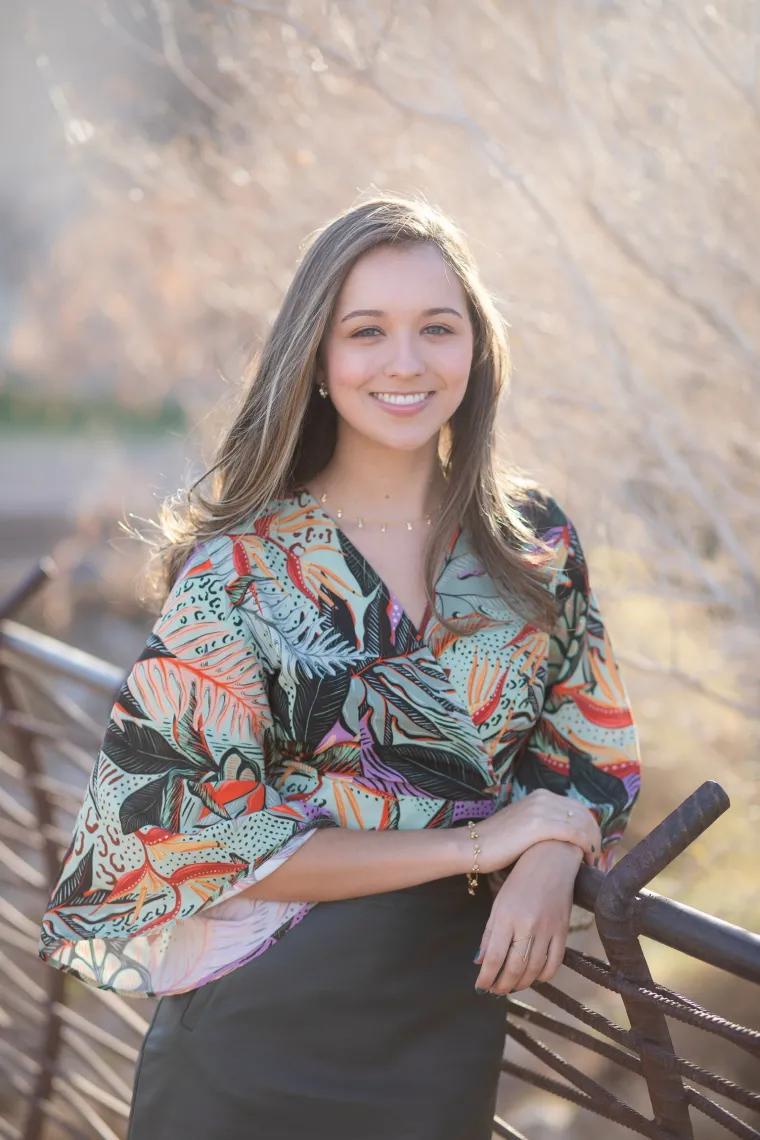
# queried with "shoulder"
point(245, 548)
point(208, 561)
point(542, 513)
point(554, 528)
point(221, 600)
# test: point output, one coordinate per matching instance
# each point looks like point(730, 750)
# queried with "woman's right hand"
point(540, 815)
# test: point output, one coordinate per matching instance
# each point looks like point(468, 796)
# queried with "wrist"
point(558, 852)
point(462, 850)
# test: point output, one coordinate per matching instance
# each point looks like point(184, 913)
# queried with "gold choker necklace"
point(361, 522)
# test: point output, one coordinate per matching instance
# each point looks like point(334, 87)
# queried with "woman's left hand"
point(536, 899)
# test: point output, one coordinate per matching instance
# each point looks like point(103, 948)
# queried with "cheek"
point(455, 364)
point(346, 367)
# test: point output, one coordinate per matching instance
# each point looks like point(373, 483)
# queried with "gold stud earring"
point(322, 391)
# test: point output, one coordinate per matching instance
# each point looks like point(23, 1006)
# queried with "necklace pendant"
point(361, 522)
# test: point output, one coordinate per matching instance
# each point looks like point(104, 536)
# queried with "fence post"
point(26, 752)
point(615, 920)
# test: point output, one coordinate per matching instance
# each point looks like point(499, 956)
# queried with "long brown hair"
point(284, 434)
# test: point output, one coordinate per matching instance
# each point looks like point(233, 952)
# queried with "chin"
point(400, 441)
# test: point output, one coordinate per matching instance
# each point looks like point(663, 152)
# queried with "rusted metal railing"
point(624, 912)
point(67, 1051)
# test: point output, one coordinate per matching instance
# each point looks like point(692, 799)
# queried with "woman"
point(379, 674)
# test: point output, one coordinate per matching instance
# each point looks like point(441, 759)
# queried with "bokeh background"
point(163, 162)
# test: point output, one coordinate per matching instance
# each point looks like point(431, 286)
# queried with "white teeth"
point(388, 398)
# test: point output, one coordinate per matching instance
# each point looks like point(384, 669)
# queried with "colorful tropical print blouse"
point(284, 689)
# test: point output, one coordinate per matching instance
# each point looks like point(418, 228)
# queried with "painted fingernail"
point(596, 861)
point(592, 847)
point(476, 956)
point(479, 991)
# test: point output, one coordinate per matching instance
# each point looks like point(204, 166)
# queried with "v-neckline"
point(417, 632)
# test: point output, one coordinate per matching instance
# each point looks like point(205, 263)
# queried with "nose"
point(404, 359)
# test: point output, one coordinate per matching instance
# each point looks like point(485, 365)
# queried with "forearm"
point(337, 863)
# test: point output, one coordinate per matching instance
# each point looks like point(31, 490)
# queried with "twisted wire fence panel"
point(67, 1051)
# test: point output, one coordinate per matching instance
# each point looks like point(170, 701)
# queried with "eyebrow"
point(379, 313)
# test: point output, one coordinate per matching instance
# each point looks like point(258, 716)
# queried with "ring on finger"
point(516, 942)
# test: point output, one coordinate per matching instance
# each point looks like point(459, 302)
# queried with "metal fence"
point(67, 1051)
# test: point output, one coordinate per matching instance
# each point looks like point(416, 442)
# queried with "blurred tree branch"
point(747, 92)
point(644, 665)
point(176, 61)
point(135, 43)
point(721, 320)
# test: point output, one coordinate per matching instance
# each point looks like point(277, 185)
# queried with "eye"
point(366, 333)
point(437, 330)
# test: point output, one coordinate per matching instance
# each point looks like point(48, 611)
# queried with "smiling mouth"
point(395, 398)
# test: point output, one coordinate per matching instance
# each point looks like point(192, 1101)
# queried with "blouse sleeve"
point(179, 813)
point(584, 744)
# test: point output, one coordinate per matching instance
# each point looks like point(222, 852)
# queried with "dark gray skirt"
point(362, 1021)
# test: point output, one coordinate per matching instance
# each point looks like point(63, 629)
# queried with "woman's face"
point(397, 356)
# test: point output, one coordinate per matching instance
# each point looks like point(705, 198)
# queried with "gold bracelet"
point(472, 876)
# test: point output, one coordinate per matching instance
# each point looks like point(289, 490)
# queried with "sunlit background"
point(162, 163)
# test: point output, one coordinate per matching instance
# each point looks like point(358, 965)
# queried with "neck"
point(365, 478)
